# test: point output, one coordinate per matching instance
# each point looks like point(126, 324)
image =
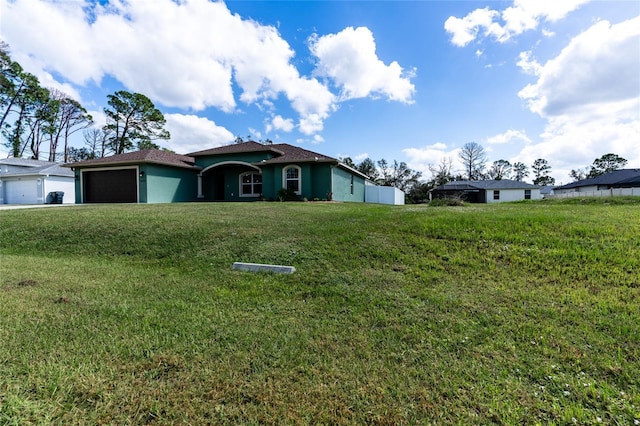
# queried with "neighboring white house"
point(617, 182)
point(24, 181)
point(487, 191)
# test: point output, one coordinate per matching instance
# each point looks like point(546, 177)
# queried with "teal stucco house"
point(246, 171)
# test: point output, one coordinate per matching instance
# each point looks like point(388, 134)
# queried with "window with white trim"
point(250, 184)
point(496, 195)
point(527, 194)
point(291, 178)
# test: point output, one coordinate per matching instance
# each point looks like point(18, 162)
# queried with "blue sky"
point(406, 80)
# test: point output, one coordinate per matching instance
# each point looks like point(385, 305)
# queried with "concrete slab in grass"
point(259, 267)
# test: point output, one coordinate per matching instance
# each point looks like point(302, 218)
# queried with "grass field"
point(519, 313)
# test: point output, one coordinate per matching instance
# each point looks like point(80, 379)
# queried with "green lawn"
point(518, 313)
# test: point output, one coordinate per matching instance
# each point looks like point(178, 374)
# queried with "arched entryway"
point(230, 181)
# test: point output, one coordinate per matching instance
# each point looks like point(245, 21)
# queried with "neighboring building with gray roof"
point(617, 179)
point(27, 181)
point(487, 191)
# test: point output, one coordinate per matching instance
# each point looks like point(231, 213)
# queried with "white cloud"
point(81, 42)
point(360, 157)
point(517, 136)
point(595, 68)
point(465, 30)
point(190, 133)
point(421, 159)
point(589, 95)
point(548, 33)
point(280, 123)
point(524, 15)
point(527, 64)
point(349, 58)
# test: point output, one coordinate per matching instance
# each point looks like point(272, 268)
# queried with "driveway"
point(31, 206)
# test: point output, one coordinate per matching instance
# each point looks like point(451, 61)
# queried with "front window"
point(291, 178)
point(527, 194)
point(250, 184)
point(496, 195)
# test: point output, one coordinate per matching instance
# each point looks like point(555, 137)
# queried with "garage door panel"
point(110, 186)
point(21, 192)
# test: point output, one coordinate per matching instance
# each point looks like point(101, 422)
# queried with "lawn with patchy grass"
point(518, 313)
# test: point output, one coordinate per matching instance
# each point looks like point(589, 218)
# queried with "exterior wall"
point(247, 157)
point(230, 175)
point(271, 182)
point(342, 187)
point(315, 180)
point(59, 183)
point(507, 195)
point(77, 186)
point(167, 184)
point(321, 175)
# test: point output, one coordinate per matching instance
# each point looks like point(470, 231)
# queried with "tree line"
point(38, 122)
point(473, 158)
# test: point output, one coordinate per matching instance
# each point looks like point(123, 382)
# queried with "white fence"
point(604, 193)
point(383, 195)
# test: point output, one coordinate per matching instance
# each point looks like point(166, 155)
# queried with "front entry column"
point(200, 195)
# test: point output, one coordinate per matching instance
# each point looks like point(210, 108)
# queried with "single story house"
point(26, 181)
point(487, 191)
point(238, 172)
point(617, 182)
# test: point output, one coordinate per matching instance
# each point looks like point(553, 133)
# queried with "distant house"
point(487, 191)
point(246, 171)
point(25, 181)
point(547, 191)
point(618, 182)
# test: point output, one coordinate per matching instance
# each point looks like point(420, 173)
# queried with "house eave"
point(129, 163)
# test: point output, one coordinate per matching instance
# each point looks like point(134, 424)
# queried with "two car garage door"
point(110, 186)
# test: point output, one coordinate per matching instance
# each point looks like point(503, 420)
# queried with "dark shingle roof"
point(465, 185)
point(614, 178)
point(154, 156)
point(292, 153)
point(283, 152)
point(237, 148)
